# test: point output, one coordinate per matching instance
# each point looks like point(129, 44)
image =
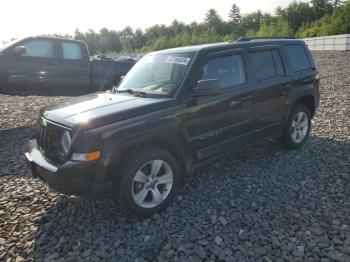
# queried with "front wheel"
point(297, 128)
point(149, 180)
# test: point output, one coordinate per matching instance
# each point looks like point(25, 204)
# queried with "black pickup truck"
point(55, 66)
point(175, 110)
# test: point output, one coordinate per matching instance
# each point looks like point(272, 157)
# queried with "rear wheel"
point(149, 180)
point(297, 128)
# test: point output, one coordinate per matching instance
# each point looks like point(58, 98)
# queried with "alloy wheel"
point(300, 127)
point(152, 183)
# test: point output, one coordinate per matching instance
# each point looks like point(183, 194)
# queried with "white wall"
point(332, 42)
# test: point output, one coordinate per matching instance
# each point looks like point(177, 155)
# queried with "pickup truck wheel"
point(297, 128)
point(149, 181)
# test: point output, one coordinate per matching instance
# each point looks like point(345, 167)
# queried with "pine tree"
point(213, 19)
point(235, 14)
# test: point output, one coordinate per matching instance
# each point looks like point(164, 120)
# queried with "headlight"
point(66, 143)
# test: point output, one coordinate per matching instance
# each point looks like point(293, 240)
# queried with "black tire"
point(287, 136)
point(124, 186)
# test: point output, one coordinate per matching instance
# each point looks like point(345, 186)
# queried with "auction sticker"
point(177, 60)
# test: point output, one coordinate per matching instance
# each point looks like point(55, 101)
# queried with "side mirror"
point(207, 87)
point(20, 50)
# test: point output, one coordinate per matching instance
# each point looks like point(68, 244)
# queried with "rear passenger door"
point(75, 68)
point(301, 67)
point(272, 85)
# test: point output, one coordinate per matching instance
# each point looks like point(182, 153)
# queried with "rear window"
point(267, 64)
point(71, 51)
point(297, 58)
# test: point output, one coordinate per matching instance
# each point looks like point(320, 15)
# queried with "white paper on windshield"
point(177, 60)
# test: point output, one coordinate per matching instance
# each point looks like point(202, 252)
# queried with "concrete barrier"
point(332, 42)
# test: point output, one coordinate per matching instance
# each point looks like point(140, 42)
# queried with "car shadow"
point(265, 186)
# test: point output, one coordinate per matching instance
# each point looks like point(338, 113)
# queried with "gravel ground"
point(262, 204)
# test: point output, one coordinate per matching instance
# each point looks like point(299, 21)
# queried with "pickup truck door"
point(75, 68)
point(272, 85)
point(34, 71)
point(220, 123)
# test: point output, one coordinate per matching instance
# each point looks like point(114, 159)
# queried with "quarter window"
point(297, 58)
point(267, 64)
point(39, 48)
point(71, 51)
point(228, 69)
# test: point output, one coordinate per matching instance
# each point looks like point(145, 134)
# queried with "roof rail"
point(245, 39)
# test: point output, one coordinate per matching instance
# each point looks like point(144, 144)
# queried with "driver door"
point(216, 124)
point(34, 71)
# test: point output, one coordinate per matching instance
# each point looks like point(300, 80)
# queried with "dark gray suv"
point(175, 110)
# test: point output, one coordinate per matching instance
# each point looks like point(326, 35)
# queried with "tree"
point(298, 13)
point(278, 27)
point(252, 21)
point(139, 39)
point(235, 14)
point(322, 7)
point(336, 23)
point(213, 19)
point(302, 19)
point(337, 3)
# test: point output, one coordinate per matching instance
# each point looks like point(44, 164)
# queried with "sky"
point(22, 18)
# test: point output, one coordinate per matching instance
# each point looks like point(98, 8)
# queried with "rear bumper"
point(68, 178)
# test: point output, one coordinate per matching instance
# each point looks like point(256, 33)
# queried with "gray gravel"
point(262, 204)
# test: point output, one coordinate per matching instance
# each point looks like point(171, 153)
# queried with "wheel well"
point(307, 101)
point(173, 144)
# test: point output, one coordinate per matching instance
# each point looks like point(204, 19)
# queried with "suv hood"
point(99, 109)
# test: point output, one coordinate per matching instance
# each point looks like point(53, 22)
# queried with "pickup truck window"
point(228, 69)
point(267, 64)
point(157, 74)
point(71, 51)
point(39, 48)
point(297, 58)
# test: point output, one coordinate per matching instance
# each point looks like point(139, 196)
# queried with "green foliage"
point(278, 27)
point(336, 23)
point(302, 19)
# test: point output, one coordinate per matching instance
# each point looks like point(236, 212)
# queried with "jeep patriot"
point(175, 110)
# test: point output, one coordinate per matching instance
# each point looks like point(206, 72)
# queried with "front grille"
point(48, 136)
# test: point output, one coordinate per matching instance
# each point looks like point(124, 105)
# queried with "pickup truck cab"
point(55, 66)
point(175, 110)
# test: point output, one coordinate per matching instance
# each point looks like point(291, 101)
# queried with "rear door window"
point(297, 58)
point(71, 51)
point(228, 69)
point(267, 64)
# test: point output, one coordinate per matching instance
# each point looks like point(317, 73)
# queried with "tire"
point(142, 191)
point(297, 128)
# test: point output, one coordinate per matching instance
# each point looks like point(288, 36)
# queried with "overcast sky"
point(21, 18)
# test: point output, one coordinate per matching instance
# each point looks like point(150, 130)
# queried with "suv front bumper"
point(68, 178)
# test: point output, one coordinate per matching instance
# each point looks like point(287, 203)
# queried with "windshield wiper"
point(132, 91)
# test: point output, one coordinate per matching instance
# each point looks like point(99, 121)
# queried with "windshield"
point(156, 74)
